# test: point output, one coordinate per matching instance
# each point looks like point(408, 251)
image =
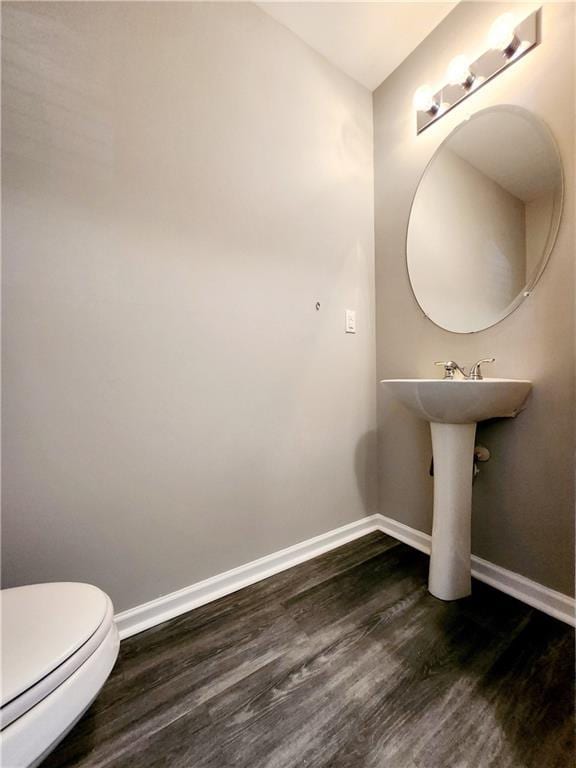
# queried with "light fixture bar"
point(522, 38)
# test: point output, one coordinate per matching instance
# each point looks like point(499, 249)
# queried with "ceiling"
point(367, 40)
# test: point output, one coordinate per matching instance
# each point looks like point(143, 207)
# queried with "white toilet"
point(59, 644)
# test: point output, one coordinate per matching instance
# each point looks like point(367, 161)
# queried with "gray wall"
point(182, 183)
point(523, 509)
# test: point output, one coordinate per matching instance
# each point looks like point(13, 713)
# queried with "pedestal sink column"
point(453, 408)
point(453, 449)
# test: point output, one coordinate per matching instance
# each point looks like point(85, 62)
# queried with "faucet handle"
point(475, 372)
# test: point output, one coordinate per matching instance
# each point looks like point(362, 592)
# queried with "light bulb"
point(424, 101)
point(502, 36)
point(458, 72)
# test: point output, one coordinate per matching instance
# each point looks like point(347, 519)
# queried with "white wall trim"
point(169, 606)
point(404, 533)
point(530, 592)
point(166, 607)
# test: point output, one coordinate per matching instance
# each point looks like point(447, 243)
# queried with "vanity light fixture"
point(508, 40)
point(424, 100)
point(459, 73)
point(502, 36)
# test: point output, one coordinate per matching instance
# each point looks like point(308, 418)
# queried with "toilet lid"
point(42, 626)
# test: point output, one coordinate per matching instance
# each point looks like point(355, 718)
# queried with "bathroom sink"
point(453, 407)
point(460, 401)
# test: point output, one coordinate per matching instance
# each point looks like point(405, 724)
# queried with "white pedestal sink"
point(453, 407)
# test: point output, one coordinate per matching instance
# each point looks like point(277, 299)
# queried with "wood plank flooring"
point(342, 662)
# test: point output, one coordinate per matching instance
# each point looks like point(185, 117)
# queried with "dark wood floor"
point(342, 662)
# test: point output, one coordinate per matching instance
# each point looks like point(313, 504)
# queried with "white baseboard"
point(169, 606)
point(404, 533)
point(531, 592)
point(166, 607)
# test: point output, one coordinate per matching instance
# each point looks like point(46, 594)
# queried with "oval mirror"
point(484, 219)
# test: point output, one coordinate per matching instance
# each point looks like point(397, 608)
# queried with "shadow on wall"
point(366, 467)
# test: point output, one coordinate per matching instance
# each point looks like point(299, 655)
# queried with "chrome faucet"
point(453, 371)
point(475, 372)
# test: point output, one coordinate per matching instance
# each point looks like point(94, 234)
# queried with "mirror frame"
point(543, 128)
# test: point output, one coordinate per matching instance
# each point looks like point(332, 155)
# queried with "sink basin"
point(453, 406)
point(461, 401)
